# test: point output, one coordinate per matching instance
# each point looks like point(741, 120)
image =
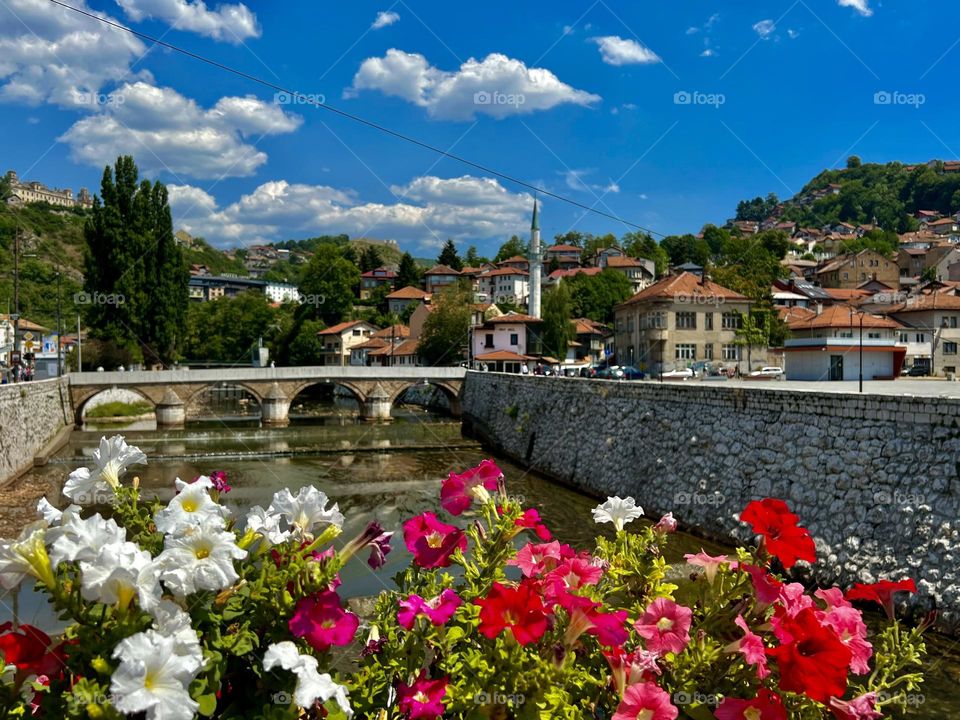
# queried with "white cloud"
point(619, 51)
point(384, 18)
point(575, 181)
point(692, 30)
point(428, 210)
point(707, 53)
point(50, 54)
point(497, 85)
point(793, 34)
point(233, 23)
point(765, 28)
point(166, 131)
point(861, 6)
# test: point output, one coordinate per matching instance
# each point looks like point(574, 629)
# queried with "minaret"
point(536, 263)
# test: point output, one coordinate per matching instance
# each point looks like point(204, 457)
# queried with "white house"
point(506, 284)
point(279, 292)
point(506, 342)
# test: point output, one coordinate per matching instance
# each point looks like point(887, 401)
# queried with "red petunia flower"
point(766, 706)
point(784, 539)
point(814, 661)
point(323, 622)
point(645, 700)
point(431, 541)
point(881, 593)
point(29, 648)
point(518, 608)
point(458, 491)
point(424, 699)
point(530, 520)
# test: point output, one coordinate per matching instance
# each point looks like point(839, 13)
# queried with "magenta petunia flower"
point(537, 559)
point(374, 537)
point(752, 647)
point(645, 700)
point(530, 520)
point(665, 626)
point(423, 700)
point(458, 491)
point(431, 541)
point(860, 708)
point(766, 706)
point(437, 610)
point(765, 585)
point(219, 480)
point(667, 524)
point(323, 622)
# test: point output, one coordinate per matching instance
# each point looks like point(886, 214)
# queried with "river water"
point(385, 471)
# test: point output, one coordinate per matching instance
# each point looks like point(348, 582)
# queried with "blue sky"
point(663, 113)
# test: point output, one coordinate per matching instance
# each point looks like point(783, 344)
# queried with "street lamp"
point(861, 313)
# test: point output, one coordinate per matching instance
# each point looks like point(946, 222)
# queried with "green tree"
point(409, 272)
point(572, 237)
point(595, 296)
point(557, 329)
point(642, 245)
point(446, 329)
point(370, 259)
point(306, 346)
point(513, 246)
point(473, 259)
point(135, 275)
point(4, 187)
point(853, 162)
point(449, 256)
point(227, 330)
point(757, 209)
point(882, 241)
point(686, 249)
point(327, 285)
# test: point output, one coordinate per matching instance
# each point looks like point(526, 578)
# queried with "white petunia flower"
point(311, 685)
point(190, 507)
point(266, 525)
point(27, 555)
point(48, 512)
point(170, 620)
point(154, 677)
point(120, 573)
point(77, 539)
point(89, 486)
point(619, 511)
point(305, 511)
point(200, 559)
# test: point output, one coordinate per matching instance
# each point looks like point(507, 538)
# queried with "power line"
point(304, 99)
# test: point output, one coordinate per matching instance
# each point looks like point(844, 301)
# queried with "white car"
point(773, 372)
point(683, 374)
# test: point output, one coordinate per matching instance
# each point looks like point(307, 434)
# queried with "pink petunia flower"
point(847, 623)
point(534, 560)
point(438, 610)
point(323, 622)
point(665, 626)
point(752, 647)
point(860, 708)
point(629, 668)
point(431, 541)
point(707, 562)
point(833, 597)
point(765, 585)
point(667, 524)
point(458, 491)
point(423, 700)
point(647, 701)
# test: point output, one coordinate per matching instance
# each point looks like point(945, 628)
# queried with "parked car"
point(681, 374)
point(628, 372)
point(772, 372)
point(918, 371)
point(590, 371)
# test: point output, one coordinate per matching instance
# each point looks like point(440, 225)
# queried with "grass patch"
point(119, 409)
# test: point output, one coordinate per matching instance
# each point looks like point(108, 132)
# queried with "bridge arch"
point(356, 393)
point(450, 390)
point(81, 404)
point(195, 396)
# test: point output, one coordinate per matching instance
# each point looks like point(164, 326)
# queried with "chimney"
point(819, 309)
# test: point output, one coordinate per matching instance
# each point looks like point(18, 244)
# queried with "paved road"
point(901, 387)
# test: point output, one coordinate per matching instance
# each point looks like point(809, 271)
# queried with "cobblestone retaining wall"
point(31, 415)
point(875, 478)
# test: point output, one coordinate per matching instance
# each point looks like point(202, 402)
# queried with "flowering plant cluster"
point(495, 619)
point(181, 610)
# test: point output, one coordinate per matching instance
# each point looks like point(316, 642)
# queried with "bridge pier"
point(275, 407)
point(377, 405)
point(170, 411)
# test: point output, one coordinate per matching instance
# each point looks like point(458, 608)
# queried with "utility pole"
point(16, 291)
point(79, 347)
point(861, 351)
point(59, 326)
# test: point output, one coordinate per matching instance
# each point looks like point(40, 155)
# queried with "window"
point(686, 351)
point(949, 369)
point(845, 334)
point(918, 337)
point(708, 321)
point(357, 333)
point(708, 350)
point(686, 321)
point(731, 352)
point(846, 276)
point(489, 340)
point(904, 337)
point(953, 321)
point(873, 336)
point(732, 321)
point(514, 339)
point(949, 348)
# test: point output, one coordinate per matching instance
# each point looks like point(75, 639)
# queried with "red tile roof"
point(441, 270)
point(623, 262)
point(847, 294)
point(384, 273)
point(686, 285)
point(501, 356)
point(409, 293)
point(842, 316)
point(514, 259)
point(922, 303)
point(394, 331)
point(340, 327)
point(504, 271)
point(373, 343)
point(514, 318)
point(561, 248)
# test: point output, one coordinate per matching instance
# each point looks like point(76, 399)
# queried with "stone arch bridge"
point(375, 388)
